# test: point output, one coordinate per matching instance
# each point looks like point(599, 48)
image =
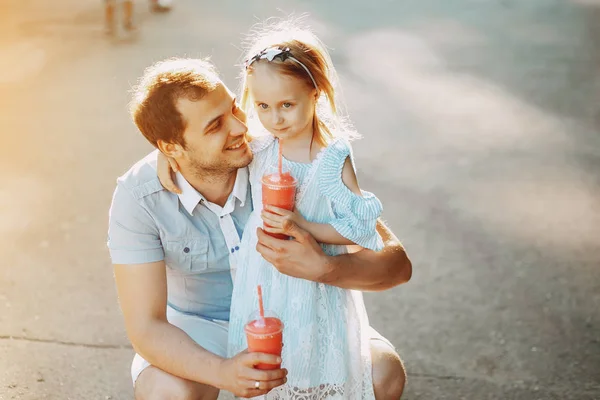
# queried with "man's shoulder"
point(141, 179)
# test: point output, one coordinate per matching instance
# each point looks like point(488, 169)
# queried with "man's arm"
point(140, 275)
point(364, 270)
point(142, 290)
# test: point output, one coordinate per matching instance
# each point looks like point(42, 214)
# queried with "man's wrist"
point(329, 270)
point(221, 374)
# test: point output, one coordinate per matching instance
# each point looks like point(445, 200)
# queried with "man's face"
point(215, 135)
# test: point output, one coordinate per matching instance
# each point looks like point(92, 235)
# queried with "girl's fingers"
point(173, 164)
point(271, 219)
point(272, 229)
point(277, 210)
point(165, 176)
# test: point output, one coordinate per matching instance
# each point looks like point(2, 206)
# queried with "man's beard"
point(218, 171)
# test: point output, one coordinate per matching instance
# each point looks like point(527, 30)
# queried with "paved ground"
point(481, 132)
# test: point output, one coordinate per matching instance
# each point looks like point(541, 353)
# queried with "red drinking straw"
point(261, 309)
point(280, 160)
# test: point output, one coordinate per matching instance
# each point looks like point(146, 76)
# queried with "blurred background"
point(481, 137)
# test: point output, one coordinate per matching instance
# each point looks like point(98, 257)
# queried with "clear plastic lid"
point(258, 325)
point(272, 177)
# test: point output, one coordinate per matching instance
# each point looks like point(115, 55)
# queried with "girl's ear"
point(316, 95)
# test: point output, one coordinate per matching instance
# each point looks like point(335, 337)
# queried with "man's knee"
point(389, 375)
point(155, 384)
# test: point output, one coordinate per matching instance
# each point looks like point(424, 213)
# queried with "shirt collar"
point(190, 197)
point(240, 187)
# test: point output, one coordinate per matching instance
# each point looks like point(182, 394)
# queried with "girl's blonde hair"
point(306, 48)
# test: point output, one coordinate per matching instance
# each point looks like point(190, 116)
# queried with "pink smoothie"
point(279, 190)
point(265, 336)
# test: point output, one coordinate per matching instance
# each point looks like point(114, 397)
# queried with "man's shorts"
point(212, 335)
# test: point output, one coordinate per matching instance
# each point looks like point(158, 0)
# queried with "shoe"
point(160, 6)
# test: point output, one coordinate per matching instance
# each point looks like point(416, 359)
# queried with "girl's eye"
point(287, 105)
point(263, 106)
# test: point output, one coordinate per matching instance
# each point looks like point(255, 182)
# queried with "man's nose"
point(239, 127)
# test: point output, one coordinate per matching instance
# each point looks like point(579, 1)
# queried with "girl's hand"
point(165, 169)
point(277, 219)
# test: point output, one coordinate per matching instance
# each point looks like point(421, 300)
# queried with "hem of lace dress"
point(323, 391)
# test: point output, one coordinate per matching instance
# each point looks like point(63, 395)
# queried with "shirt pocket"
point(188, 255)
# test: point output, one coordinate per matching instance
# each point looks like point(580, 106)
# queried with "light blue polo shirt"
point(198, 240)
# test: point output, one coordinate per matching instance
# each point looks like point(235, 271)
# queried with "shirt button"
point(186, 250)
point(237, 247)
point(232, 249)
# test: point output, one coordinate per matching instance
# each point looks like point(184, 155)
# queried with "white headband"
point(283, 54)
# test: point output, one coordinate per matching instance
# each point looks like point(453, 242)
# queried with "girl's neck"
point(302, 148)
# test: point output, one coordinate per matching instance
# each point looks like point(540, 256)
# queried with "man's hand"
point(301, 257)
point(240, 377)
point(363, 270)
point(278, 219)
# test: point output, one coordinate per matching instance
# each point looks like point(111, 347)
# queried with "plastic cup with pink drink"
point(264, 333)
point(279, 190)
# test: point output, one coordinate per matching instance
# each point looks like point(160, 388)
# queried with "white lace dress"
point(326, 342)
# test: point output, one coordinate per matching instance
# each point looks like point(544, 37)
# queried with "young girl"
point(288, 83)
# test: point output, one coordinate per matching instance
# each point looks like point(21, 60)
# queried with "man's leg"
point(128, 15)
point(109, 17)
point(155, 384)
point(389, 375)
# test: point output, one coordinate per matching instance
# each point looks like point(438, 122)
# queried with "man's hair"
point(153, 105)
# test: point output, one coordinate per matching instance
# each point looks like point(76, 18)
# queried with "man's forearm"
point(172, 350)
point(369, 270)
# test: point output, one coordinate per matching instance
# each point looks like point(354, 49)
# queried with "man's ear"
point(173, 150)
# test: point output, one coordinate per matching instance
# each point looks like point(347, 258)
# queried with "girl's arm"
point(276, 218)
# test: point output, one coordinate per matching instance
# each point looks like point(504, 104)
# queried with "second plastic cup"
point(265, 335)
point(279, 190)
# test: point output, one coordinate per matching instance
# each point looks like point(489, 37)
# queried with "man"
point(173, 253)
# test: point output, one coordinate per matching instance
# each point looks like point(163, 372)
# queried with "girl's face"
point(284, 104)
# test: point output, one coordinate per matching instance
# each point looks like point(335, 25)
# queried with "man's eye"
point(216, 126)
point(263, 106)
point(287, 105)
